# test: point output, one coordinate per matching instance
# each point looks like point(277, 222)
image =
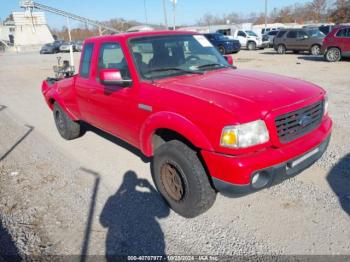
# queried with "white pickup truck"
point(250, 40)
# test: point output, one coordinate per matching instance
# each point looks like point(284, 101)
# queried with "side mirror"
point(305, 37)
point(113, 77)
point(229, 59)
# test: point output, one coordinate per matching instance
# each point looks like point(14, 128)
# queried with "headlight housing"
point(325, 105)
point(245, 135)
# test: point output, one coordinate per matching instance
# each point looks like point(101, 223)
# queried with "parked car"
point(50, 48)
point(224, 44)
point(65, 47)
point(337, 44)
point(78, 46)
point(297, 40)
point(271, 36)
point(205, 125)
point(250, 40)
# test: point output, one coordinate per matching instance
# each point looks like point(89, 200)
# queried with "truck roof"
point(137, 34)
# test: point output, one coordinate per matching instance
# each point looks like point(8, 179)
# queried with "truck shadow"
point(116, 141)
point(131, 216)
point(339, 180)
point(8, 249)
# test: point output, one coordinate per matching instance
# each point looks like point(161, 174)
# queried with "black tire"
point(281, 49)
point(333, 54)
point(222, 50)
point(251, 46)
point(67, 128)
point(315, 50)
point(189, 192)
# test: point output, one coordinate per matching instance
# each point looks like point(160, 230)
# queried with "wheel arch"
point(157, 128)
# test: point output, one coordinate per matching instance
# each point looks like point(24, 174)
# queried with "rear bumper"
point(234, 173)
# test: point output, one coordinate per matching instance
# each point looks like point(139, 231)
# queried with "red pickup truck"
point(206, 126)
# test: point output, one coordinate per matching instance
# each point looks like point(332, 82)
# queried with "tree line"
point(315, 11)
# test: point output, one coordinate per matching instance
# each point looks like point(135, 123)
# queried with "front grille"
point(298, 123)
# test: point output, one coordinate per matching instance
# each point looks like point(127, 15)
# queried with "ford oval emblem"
point(305, 120)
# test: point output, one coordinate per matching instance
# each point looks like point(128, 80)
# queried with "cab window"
point(241, 33)
point(86, 60)
point(111, 56)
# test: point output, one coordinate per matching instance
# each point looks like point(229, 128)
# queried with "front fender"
point(173, 122)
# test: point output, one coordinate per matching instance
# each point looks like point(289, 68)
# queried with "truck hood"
point(230, 89)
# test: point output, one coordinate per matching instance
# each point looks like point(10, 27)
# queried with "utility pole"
point(265, 15)
point(70, 40)
point(165, 15)
point(145, 6)
point(174, 13)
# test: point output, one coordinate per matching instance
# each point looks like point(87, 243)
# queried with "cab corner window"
point(86, 60)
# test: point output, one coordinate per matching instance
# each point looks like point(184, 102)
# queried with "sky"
point(188, 11)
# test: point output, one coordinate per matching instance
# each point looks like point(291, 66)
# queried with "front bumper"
point(232, 175)
point(277, 173)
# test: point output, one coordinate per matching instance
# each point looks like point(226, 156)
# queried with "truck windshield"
point(164, 56)
point(251, 33)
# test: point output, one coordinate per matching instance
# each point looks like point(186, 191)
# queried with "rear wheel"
point(251, 46)
point(67, 128)
point(315, 50)
point(181, 179)
point(281, 49)
point(333, 54)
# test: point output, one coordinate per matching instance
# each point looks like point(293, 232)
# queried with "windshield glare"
point(172, 55)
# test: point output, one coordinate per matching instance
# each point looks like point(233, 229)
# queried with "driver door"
point(242, 38)
point(114, 106)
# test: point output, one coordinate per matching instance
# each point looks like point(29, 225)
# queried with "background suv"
point(223, 43)
point(337, 44)
point(299, 40)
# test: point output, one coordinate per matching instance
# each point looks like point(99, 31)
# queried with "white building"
point(25, 30)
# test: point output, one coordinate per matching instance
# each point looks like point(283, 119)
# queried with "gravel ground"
point(91, 195)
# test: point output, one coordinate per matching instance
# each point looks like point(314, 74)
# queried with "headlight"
point(325, 105)
point(245, 135)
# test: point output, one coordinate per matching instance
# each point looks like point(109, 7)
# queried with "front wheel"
point(315, 50)
point(182, 180)
point(251, 46)
point(333, 54)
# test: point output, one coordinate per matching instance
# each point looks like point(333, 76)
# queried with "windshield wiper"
point(214, 64)
point(175, 69)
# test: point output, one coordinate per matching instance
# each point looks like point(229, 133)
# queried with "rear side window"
point(273, 33)
point(345, 32)
point(302, 34)
point(292, 34)
point(86, 60)
point(281, 34)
